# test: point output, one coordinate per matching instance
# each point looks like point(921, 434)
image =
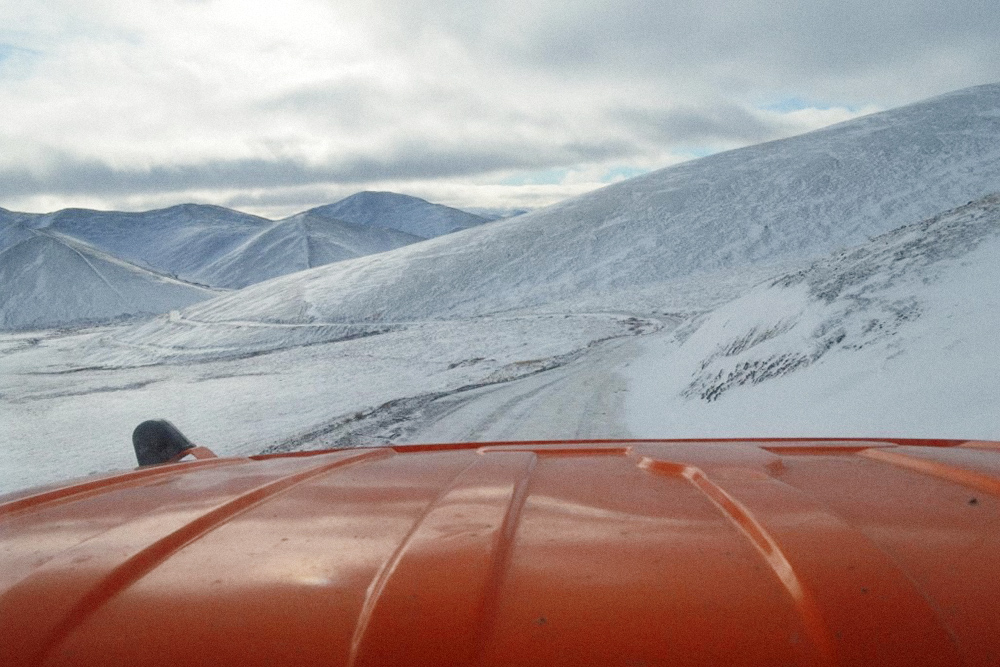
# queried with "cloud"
point(246, 100)
point(67, 175)
point(841, 50)
point(723, 122)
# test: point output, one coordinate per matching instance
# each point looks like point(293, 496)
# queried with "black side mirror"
point(158, 441)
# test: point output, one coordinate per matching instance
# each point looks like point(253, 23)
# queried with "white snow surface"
point(498, 212)
point(404, 213)
point(787, 200)
point(899, 337)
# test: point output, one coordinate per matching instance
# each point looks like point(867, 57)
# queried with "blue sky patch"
point(9, 52)
point(796, 103)
point(698, 152)
point(620, 173)
point(543, 177)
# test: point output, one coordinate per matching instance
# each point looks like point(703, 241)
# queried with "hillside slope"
point(303, 241)
point(48, 281)
point(13, 232)
point(620, 247)
point(896, 336)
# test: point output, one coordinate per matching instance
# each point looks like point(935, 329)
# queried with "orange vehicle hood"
point(630, 553)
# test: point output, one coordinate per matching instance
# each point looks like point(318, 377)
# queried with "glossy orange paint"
point(740, 552)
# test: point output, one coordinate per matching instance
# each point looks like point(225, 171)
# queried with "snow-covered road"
point(581, 400)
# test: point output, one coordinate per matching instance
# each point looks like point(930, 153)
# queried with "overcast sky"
point(273, 107)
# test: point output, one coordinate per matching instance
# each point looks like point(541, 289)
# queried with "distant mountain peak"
point(383, 194)
point(190, 206)
point(404, 213)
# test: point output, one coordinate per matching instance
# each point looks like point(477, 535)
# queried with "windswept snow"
point(400, 212)
point(898, 336)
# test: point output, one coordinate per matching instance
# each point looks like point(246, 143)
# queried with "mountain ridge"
point(205, 245)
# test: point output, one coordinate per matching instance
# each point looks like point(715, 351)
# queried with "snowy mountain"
point(297, 243)
point(220, 247)
point(209, 246)
point(25, 219)
point(180, 240)
point(51, 280)
point(400, 212)
point(649, 243)
point(898, 335)
point(81, 266)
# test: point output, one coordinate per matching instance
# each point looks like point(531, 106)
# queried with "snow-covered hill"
point(400, 212)
point(26, 219)
point(49, 280)
point(209, 246)
point(297, 243)
point(220, 247)
point(899, 335)
point(623, 247)
point(180, 240)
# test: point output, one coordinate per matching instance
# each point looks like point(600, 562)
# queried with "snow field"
point(60, 397)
